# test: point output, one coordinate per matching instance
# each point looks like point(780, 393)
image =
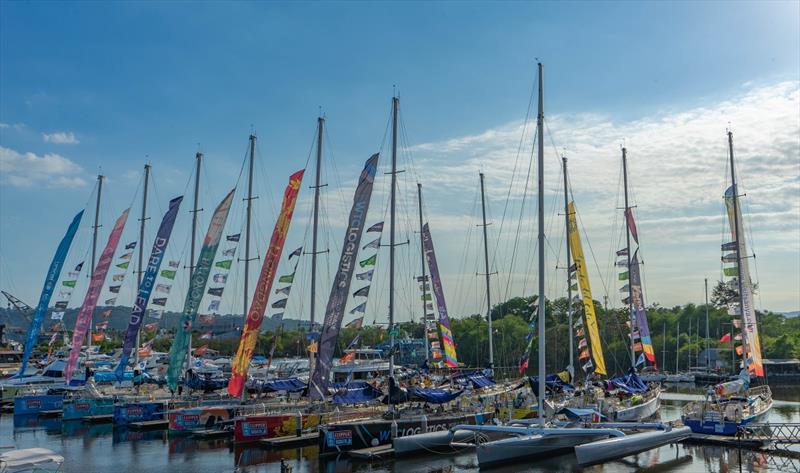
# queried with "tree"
point(722, 295)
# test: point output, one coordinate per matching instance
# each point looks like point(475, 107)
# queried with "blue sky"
point(88, 86)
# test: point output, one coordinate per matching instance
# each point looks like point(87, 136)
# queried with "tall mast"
point(540, 178)
point(247, 225)
point(140, 272)
point(708, 354)
point(199, 160)
point(320, 131)
point(569, 273)
point(628, 251)
point(486, 266)
point(664, 344)
point(735, 189)
point(95, 227)
point(424, 277)
point(677, 345)
point(393, 197)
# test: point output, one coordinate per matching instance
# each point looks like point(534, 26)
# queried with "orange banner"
point(261, 295)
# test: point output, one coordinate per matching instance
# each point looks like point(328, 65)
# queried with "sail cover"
point(197, 287)
point(47, 291)
point(334, 312)
point(148, 281)
point(450, 359)
point(748, 313)
point(639, 310)
point(589, 317)
point(263, 287)
point(84, 319)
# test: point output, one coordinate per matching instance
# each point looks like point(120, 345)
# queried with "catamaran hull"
point(441, 441)
point(528, 447)
point(618, 447)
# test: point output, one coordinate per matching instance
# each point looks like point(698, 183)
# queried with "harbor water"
point(102, 448)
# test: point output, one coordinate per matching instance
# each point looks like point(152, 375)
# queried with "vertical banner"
point(146, 286)
point(747, 308)
point(334, 312)
point(197, 286)
point(590, 319)
point(639, 310)
point(247, 343)
point(53, 273)
point(450, 359)
point(84, 319)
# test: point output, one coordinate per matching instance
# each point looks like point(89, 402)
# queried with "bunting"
point(368, 262)
point(365, 276)
point(378, 227)
point(374, 244)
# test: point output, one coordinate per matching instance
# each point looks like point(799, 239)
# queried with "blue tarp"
point(354, 392)
point(286, 384)
point(631, 383)
point(551, 382)
point(434, 396)
point(581, 414)
point(478, 380)
point(205, 383)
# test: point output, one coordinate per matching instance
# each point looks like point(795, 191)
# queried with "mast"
point(540, 178)
point(393, 198)
point(736, 240)
point(569, 273)
point(628, 243)
point(320, 131)
point(199, 160)
point(424, 278)
point(677, 345)
point(664, 345)
point(708, 354)
point(139, 273)
point(95, 227)
point(486, 265)
point(247, 234)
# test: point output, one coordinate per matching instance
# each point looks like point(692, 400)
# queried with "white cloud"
point(60, 138)
point(29, 169)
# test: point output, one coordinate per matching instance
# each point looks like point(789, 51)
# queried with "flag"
point(368, 262)
point(277, 317)
point(152, 326)
point(111, 301)
point(69, 283)
point(174, 264)
point(130, 245)
point(739, 350)
point(623, 276)
point(347, 358)
point(105, 314)
point(279, 304)
point(98, 337)
point(732, 271)
point(378, 227)
point(355, 323)
point(57, 315)
point(725, 338)
point(363, 292)
point(622, 252)
point(224, 264)
point(359, 308)
point(124, 265)
point(365, 276)
point(640, 361)
point(426, 297)
point(61, 305)
point(126, 256)
point(216, 291)
point(637, 346)
point(115, 289)
point(213, 306)
point(207, 319)
point(53, 338)
point(201, 350)
point(206, 335)
point(101, 325)
point(730, 246)
point(145, 351)
point(286, 279)
point(523, 364)
point(162, 301)
point(579, 332)
point(624, 288)
point(737, 337)
point(220, 278)
point(631, 224)
point(156, 313)
point(296, 252)
point(233, 237)
point(229, 251)
point(165, 288)
point(168, 273)
point(118, 277)
point(581, 343)
point(374, 244)
point(73, 274)
point(284, 290)
point(312, 347)
point(584, 354)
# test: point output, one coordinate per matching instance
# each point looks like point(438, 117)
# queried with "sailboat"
point(729, 406)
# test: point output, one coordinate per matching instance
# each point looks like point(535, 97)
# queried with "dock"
point(7, 408)
point(159, 424)
point(51, 413)
point(381, 452)
point(291, 441)
point(724, 441)
point(98, 419)
point(212, 434)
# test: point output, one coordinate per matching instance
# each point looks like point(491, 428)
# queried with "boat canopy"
point(355, 392)
point(435, 396)
point(478, 380)
point(576, 413)
point(631, 383)
point(552, 382)
point(286, 384)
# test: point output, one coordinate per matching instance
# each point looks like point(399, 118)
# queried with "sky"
point(89, 87)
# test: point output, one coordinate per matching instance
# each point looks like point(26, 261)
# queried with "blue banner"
point(47, 292)
point(148, 282)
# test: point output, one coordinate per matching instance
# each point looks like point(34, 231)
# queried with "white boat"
point(364, 363)
point(30, 459)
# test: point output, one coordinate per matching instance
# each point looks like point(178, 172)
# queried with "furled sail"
point(334, 312)
point(746, 306)
point(589, 318)
point(197, 286)
point(84, 319)
point(255, 315)
point(53, 274)
point(642, 327)
point(450, 358)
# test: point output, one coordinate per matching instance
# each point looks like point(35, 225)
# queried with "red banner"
point(261, 296)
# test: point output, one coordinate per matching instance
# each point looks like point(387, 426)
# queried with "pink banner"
point(84, 319)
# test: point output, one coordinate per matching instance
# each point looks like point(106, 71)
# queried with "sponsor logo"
point(82, 406)
point(33, 403)
point(254, 428)
point(339, 438)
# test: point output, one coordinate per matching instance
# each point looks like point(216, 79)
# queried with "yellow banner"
point(590, 319)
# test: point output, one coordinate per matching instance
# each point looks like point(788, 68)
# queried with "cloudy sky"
point(88, 88)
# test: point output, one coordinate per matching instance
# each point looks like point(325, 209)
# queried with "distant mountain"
point(794, 313)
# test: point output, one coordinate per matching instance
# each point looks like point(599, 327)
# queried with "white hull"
point(530, 446)
point(639, 412)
